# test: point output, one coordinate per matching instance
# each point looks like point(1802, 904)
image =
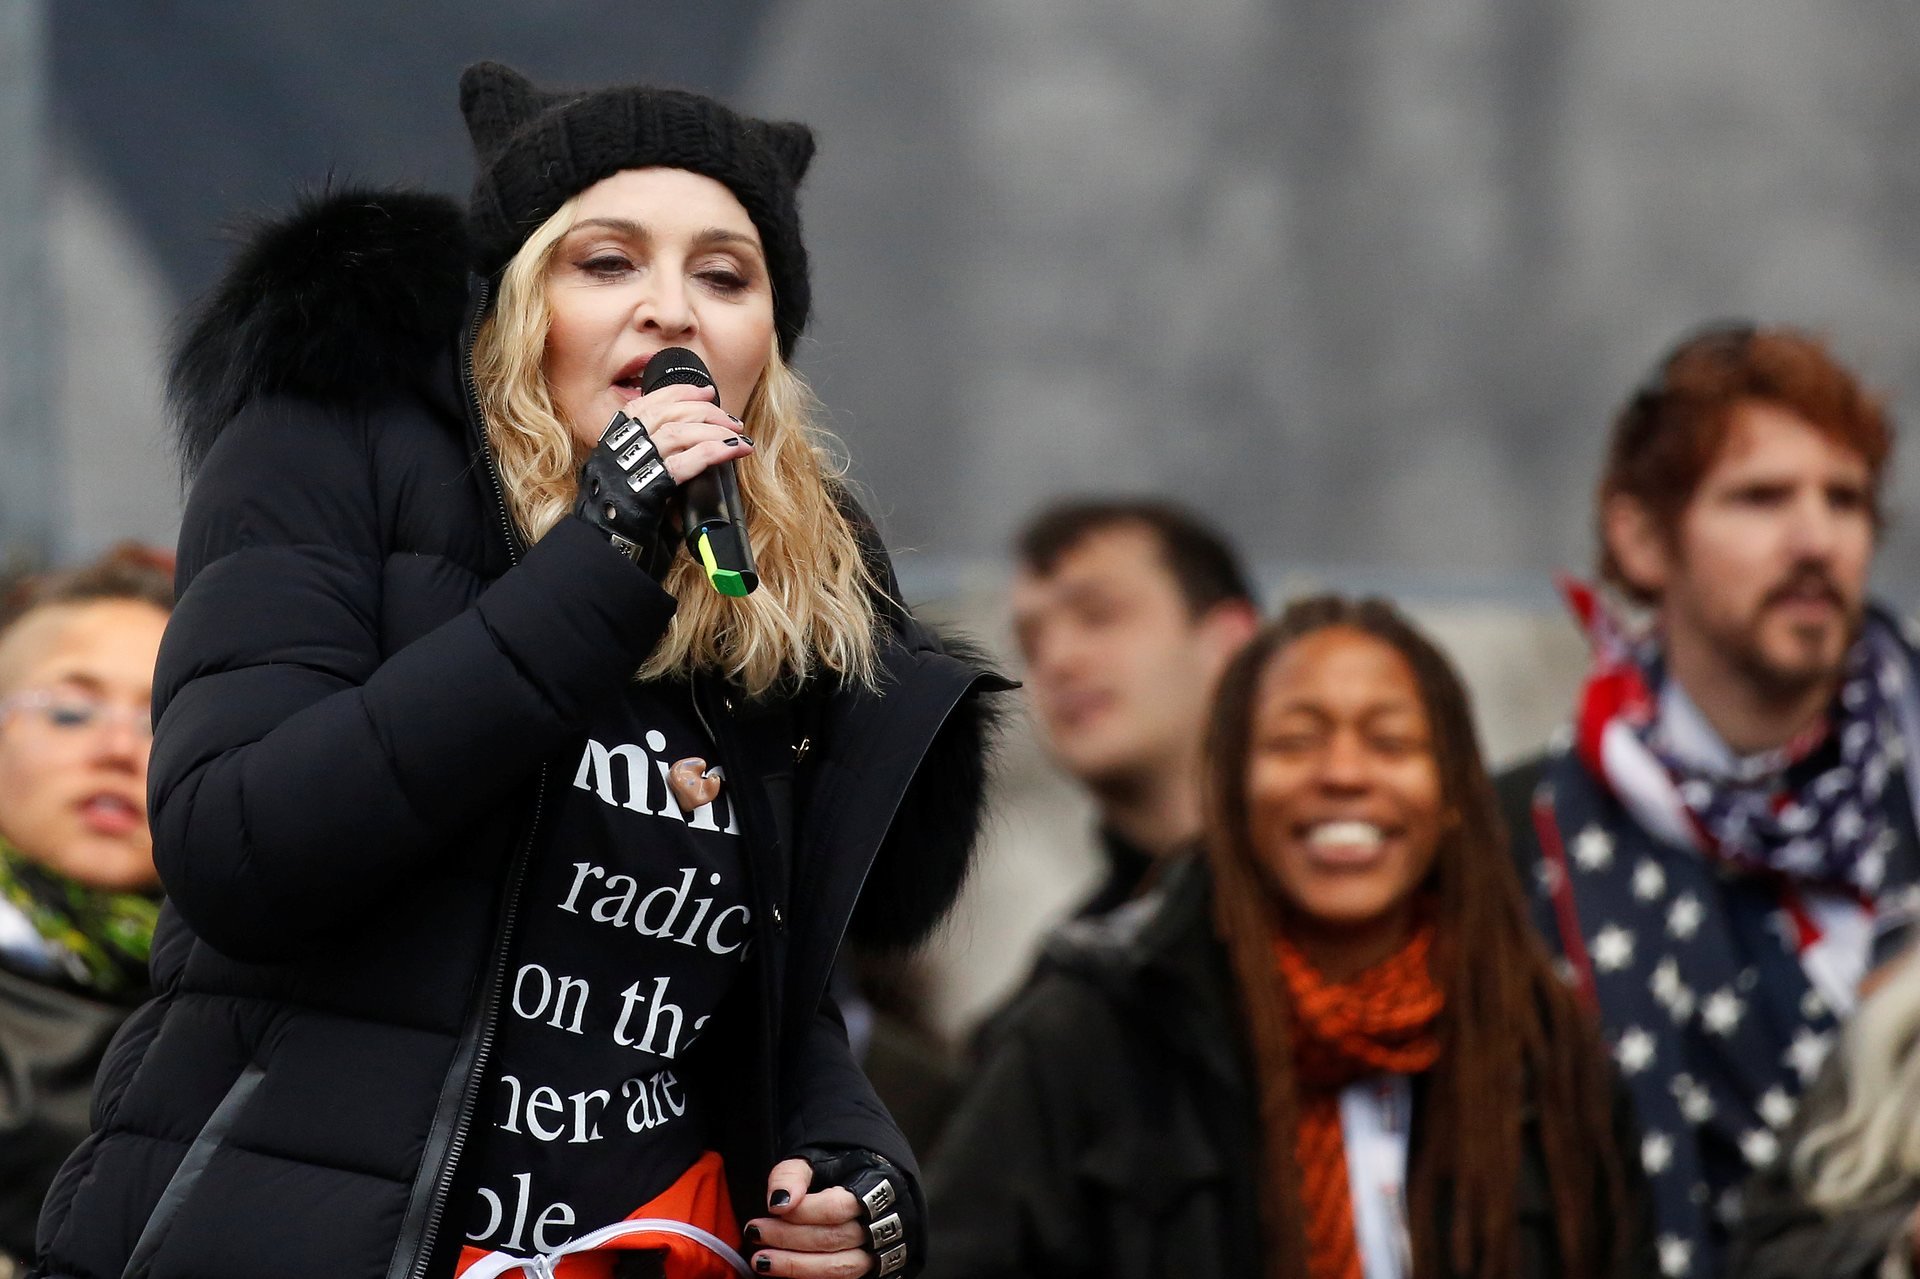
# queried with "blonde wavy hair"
point(815, 608)
point(1870, 1152)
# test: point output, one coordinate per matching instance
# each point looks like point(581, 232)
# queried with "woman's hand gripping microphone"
point(625, 489)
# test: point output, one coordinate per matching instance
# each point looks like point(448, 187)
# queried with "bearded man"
point(1728, 845)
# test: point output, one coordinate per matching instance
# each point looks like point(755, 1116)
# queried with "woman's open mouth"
point(105, 813)
point(632, 373)
point(1346, 844)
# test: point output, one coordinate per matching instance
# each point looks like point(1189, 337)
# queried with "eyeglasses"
point(73, 712)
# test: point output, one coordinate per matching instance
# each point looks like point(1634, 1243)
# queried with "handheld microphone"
point(716, 518)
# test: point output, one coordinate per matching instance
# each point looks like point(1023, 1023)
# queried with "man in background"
point(78, 892)
point(1732, 828)
point(1126, 612)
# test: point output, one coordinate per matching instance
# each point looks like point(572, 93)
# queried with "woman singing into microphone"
point(506, 858)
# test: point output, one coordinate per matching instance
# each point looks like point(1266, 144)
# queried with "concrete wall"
point(1368, 279)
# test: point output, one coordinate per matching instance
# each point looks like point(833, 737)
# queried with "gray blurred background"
point(1362, 280)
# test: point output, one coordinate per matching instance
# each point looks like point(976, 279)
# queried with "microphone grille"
point(675, 366)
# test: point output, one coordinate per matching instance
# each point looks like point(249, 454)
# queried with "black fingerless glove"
point(624, 491)
point(896, 1226)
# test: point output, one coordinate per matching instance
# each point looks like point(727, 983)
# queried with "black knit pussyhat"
point(537, 150)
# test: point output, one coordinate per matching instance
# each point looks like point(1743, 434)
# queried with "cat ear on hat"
point(495, 100)
point(793, 143)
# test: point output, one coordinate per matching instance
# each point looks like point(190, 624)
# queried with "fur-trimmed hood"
point(344, 300)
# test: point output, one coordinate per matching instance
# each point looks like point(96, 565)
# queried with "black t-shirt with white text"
point(633, 926)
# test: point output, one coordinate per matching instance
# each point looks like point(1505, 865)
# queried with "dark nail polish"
point(748, 438)
point(731, 442)
point(752, 1234)
point(780, 1199)
point(763, 1263)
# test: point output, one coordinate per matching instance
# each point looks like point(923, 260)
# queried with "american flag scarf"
point(1809, 812)
point(1683, 937)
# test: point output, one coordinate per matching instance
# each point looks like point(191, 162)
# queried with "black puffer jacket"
point(1113, 1129)
point(355, 695)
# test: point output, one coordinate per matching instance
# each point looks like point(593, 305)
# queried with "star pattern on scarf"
point(1811, 809)
point(1635, 1050)
point(1593, 849)
point(1656, 1152)
point(1695, 1098)
point(1672, 994)
point(1808, 1052)
point(1612, 948)
point(1649, 881)
point(1722, 1011)
point(1684, 916)
point(1872, 870)
point(1759, 1145)
point(1776, 1107)
point(1676, 1256)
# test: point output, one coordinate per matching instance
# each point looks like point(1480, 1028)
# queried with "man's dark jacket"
point(356, 695)
point(1113, 1130)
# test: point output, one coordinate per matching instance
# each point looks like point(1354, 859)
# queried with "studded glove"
point(625, 489)
point(896, 1227)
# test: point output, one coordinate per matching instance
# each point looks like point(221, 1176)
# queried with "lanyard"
point(1376, 1114)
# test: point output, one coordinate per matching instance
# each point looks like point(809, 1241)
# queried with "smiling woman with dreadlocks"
point(1331, 1049)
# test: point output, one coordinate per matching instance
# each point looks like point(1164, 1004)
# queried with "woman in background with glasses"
point(78, 892)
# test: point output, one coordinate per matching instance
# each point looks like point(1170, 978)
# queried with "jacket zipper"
point(763, 894)
point(516, 878)
point(490, 1018)
point(778, 917)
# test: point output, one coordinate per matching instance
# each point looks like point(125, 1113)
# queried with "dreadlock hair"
point(1511, 1032)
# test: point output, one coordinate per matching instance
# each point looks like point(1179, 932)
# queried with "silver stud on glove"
point(895, 1234)
point(624, 491)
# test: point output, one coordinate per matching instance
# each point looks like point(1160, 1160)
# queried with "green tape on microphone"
point(728, 581)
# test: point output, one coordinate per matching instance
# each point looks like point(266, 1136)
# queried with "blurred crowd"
point(1637, 1005)
point(79, 895)
point(1641, 1004)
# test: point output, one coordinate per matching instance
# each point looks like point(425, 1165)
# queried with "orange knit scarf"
point(1381, 1022)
